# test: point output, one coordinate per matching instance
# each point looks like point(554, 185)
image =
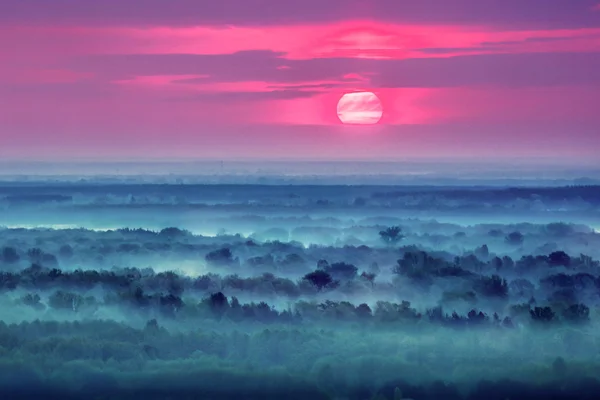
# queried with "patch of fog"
point(63, 226)
point(198, 232)
point(191, 269)
point(97, 228)
point(43, 226)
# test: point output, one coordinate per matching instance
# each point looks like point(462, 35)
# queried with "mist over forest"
point(115, 288)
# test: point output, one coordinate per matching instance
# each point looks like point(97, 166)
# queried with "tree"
point(521, 288)
point(496, 263)
point(35, 255)
point(33, 300)
point(65, 251)
point(507, 263)
point(341, 271)
point(483, 253)
point(170, 304)
point(218, 301)
point(10, 255)
point(542, 314)
point(559, 229)
point(507, 322)
point(374, 268)
point(391, 235)
point(515, 238)
point(559, 259)
point(493, 286)
point(363, 311)
point(172, 233)
point(577, 313)
point(369, 277)
point(319, 279)
point(218, 304)
point(222, 256)
point(171, 282)
point(495, 233)
point(476, 317)
point(292, 260)
point(70, 301)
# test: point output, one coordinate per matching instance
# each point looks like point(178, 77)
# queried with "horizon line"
point(555, 161)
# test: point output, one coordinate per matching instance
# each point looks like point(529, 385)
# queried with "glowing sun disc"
point(362, 108)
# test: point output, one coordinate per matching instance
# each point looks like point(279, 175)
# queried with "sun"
point(360, 108)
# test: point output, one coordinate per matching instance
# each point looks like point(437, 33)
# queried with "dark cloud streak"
point(507, 70)
point(228, 97)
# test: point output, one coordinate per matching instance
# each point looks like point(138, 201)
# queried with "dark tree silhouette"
point(170, 304)
point(391, 235)
point(521, 288)
point(341, 271)
point(475, 317)
point(542, 314)
point(363, 311)
point(559, 259)
point(515, 238)
point(172, 232)
point(319, 278)
point(493, 286)
point(221, 256)
point(55, 273)
point(33, 300)
point(218, 301)
point(483, 252)
point(577, 313)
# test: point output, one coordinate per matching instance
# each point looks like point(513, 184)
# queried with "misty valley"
point(292, 291)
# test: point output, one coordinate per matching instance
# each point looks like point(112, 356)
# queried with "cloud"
point(539, 39)
point(44, 47)
point(202, 76)
point(205, 88)
point(513, 70)
point(508, 13)
point(245, 65)
point(320, 86)
point(29, 76)
point(245, 96)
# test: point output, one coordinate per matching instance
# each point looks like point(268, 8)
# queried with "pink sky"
point(133, 79)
